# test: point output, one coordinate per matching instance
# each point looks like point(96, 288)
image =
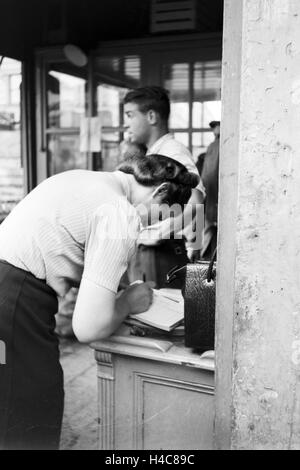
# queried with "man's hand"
point(137, 297)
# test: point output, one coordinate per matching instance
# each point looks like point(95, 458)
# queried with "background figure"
point(131, 149)
point(147, 111)
point(210, 177)
point(64, 315)
point(200, 162)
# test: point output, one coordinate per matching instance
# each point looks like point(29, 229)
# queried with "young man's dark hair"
point(150, 97)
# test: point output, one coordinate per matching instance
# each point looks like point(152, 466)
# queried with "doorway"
point(12, 178)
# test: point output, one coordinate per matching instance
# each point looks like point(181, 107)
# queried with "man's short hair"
point(214, 124)
point(150, 97)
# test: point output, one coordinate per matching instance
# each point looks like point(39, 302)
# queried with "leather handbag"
point(199, 292)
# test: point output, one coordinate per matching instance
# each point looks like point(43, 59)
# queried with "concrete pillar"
point(258, 293)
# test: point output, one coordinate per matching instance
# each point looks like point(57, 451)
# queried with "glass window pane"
point(4, 87)
point(123, 71)
point(176, 80)
point(200, 142)
point(207, 93)
point(132, 68)
point(65, 99)
point(198, 115)
point(11, 166)
point(182, 137)
point(204, 113)
point(64, 154)
point(207, 81)
point(211, 112)
point(109, 105)
point(110, 151)
point(15, 83)
point(110, 137)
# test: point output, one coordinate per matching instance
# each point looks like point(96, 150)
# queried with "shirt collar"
point(159, 142)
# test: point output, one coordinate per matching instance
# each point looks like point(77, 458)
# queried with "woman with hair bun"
point(77, 228)
point(153, 170)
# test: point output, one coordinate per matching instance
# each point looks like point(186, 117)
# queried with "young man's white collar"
point(159, 142)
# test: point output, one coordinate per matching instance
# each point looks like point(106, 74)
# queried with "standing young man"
point(210, 175)
point(147, 111)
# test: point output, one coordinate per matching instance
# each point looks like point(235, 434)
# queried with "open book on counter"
point(166, 311)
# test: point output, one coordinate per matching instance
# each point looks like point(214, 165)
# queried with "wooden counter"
point(153, 394)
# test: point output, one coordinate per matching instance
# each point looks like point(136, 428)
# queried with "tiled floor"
point(80, 416)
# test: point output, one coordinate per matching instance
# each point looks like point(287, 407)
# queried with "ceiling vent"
point(175, 15)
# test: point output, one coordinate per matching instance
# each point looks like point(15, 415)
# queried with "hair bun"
point(186, 179)
point(171, 171)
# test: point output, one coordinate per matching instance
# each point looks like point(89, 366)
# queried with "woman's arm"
point(98, 313)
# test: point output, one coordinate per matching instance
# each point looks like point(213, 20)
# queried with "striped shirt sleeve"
point(110, 243)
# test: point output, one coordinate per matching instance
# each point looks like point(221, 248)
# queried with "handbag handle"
point(173, 273)
point(177, 270)
point(211, 265)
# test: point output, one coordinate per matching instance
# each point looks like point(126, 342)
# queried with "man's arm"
point(98, 313)
point(193, 229)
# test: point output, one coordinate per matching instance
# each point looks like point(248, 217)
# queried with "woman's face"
point(153, 210)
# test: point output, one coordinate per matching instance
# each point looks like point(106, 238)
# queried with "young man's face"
point(137, 124)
